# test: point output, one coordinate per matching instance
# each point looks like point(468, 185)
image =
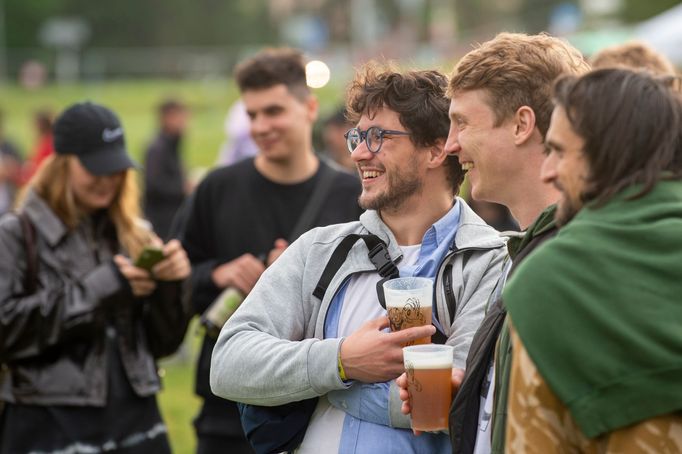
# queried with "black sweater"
point(235, 211)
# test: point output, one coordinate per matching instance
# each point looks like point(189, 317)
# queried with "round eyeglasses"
point(373, 137)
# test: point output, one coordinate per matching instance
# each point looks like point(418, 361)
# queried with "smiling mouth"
point(370, 174)
point(466, 166)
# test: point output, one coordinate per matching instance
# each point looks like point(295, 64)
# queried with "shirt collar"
point(445, 228)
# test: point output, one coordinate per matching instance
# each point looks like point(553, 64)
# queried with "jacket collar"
point(472, 232)
point(50, 227)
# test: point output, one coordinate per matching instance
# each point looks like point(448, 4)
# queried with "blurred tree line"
point(145, 22)
point(123, 23)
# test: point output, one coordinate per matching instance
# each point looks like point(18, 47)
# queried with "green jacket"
point(541, 230)
point(603, 328)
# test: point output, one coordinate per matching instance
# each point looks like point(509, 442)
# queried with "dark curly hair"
point(418, 97)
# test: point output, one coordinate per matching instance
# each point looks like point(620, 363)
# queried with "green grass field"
point(179, 405)
point(135, 102)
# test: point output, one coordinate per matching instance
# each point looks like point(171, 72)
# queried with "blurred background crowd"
point(165, 68)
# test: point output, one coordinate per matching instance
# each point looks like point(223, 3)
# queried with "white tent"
point(664, 33)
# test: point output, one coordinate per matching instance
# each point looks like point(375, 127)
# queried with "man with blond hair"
point(500, 110)
point(635, 55)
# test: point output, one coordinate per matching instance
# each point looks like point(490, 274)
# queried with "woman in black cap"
point(80, 325)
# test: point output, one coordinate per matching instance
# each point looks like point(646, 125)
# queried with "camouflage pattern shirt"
point(538, 422)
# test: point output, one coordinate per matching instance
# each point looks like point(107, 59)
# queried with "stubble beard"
point(400, 188)
point(566, 210)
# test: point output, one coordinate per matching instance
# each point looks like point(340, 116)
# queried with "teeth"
point(370, 174)
point(467, 166)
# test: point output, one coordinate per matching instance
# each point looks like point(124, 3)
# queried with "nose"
point(361, 152)
point(452, 144)
point(548, 171)
point(259, 125)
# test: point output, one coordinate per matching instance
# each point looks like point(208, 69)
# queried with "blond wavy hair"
point(51, 183)
point(633, 55)
point(517, 70)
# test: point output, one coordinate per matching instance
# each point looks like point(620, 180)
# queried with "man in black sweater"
point(243, 216)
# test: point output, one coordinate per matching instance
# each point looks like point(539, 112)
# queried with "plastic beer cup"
point(408, 303)
point(429, 371)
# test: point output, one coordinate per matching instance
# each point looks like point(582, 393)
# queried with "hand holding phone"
point(175, 265)
point(149, 257)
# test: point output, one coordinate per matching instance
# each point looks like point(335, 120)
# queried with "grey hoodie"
point(272, 351)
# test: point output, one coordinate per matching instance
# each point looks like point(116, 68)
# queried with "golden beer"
point(429, 371)
point(408, 303)
point(408, 317)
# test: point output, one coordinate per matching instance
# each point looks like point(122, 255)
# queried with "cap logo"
point(110, 135)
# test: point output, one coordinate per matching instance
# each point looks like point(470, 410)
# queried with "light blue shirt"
point(366, 426)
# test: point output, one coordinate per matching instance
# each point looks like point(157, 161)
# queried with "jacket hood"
point(472, 231)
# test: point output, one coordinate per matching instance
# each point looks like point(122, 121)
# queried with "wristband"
point(342, 373)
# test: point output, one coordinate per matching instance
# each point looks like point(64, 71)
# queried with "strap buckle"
point(381, 259)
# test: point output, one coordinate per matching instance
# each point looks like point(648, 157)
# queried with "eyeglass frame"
point(363, 137)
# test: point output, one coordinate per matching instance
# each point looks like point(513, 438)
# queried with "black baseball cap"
point(94, 134)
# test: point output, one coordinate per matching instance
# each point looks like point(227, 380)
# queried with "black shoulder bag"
point(282, 428)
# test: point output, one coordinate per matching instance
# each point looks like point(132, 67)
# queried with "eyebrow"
point(267, 108)
point(457, 115)
point(551, 145)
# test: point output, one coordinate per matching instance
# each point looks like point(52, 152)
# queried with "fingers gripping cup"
point(408, 303)
point(429, 368)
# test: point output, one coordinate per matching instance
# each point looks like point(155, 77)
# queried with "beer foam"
point(405, 298)
point(423, 358)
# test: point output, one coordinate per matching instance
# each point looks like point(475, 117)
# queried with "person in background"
point(42, 122)
point(6, 188)
point(243, 216)
point(165, 181)
point(610, 307)
point(333, 130)
point(634, 55)
point(11, 163)
point(238, 144)
point(495, 215)
point(11, 153)
point(82, 326)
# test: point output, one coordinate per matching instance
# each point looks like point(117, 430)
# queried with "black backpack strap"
point(378, 255)
point(31, 249)
point(325, 178)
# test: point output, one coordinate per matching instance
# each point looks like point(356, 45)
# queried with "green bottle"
point(220, 311)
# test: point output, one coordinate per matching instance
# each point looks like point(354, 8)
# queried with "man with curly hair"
point(284, 344)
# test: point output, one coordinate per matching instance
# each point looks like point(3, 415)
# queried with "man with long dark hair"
point(597, 346)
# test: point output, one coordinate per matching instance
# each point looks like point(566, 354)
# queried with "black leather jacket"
point(53, 346)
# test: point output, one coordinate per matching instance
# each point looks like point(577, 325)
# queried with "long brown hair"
point(51, 183)
point(631, 125)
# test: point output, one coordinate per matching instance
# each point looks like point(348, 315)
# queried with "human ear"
point(437, 154)
point(524, 124)
point(312, 107)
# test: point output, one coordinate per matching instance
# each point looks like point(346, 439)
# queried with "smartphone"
point(149, 257)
